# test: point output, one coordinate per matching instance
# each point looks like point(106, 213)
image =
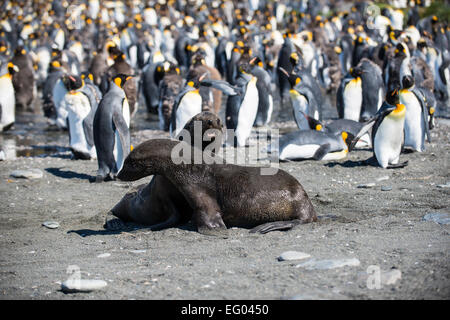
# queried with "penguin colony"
point(91, 64)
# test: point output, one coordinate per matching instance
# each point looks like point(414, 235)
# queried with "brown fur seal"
point(224, 195)
point(159, 204)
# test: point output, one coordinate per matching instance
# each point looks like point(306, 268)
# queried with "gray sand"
point(384, 229)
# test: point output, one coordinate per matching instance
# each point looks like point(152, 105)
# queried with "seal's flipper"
point(397, 166)
point(113, 223)
point(322, 151)
point(276, 225)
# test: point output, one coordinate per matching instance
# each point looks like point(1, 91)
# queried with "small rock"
point(82, 285)
point(391, 276)
point(386, 188)
point(27, 174)
point(314, 264)
point(293, 255)
point(383, 178)
point(138, 251)
point(366, 185)
point(443, 186)
point(51, 224)
point(104, 255)
point(440, 218)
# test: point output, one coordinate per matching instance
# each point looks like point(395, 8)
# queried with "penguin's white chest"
point(300, 104)
point(414, 122)
point(78, 107)
point(247, 112)
point(388, 141)
point(118, 151)
point(353, 99)
point(7, 101)
point(189, 106)
point(295, 151)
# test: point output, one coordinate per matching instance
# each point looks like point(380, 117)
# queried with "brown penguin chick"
point(160, 204)
point(169, 88)
point(98, 67)
point(224, 195)
point(130, 87)
point(332, 52)
point(23, 80)
point(198, 68)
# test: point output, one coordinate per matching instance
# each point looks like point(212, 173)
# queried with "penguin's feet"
point(113, 223)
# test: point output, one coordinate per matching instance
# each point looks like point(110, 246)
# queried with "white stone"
point(104, 255)
point(293, 255)
point(390, 277)
point(82, 285)
point(27, 174)
point(314, 264)
point(51, 224)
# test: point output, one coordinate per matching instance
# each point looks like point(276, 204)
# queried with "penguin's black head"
point(256, 61)
point(196, 80)
point(20, 51)
point(12, 69)
point(56, 53)
point(114, 52)
point(198, 59)
point(74, 83)
point(407, 82)
point(400, 50)
point(294, 58)
point(87, 75)
point(348, 139)
point(356, 72)
point(120, 79)
point(392, 97)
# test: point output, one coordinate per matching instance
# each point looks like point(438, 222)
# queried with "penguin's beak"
point(203, 76)
point(128, 78)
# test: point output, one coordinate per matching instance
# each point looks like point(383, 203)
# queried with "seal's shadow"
point(68, 174)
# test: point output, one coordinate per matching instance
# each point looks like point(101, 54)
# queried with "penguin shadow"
point(68, 174)
point(370, 162)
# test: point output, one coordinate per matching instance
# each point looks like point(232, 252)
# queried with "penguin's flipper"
point(276, 225)
point(124, 132)
point(88, 128)
point(221, 85)
point(398, 165)
point(366, 127)
point(322, 151)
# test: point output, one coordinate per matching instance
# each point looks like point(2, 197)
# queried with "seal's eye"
point(210, 122)
point(218, 122)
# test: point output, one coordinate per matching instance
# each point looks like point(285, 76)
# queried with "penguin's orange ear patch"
point(118, 82)
point(297, 80)
point(190, 83)
point(318, 127)
point(344, 135)
point(131, 147)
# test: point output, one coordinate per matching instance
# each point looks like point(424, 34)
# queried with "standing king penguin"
point(111, 130)
point(7, 98)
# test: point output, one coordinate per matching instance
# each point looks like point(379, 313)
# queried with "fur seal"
point(224, 195)
point(160, 204)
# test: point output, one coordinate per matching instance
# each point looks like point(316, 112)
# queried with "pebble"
point(293, 255)
point(138, 251)
point(382, 178)
point(82, 285)
point(104, 255)
point(390, 277)
point(314, 264)
point(386, 188)
point(27, 174)
point(51, 224)
point(366, 185)
point(443, 186)
point(440, 218)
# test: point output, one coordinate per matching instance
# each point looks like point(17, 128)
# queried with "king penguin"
point(76, 107)
point(387, 132)
point(416, 118)
point(111, 130)
point(7, 98)
point(242, 108)
point(349, 95)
